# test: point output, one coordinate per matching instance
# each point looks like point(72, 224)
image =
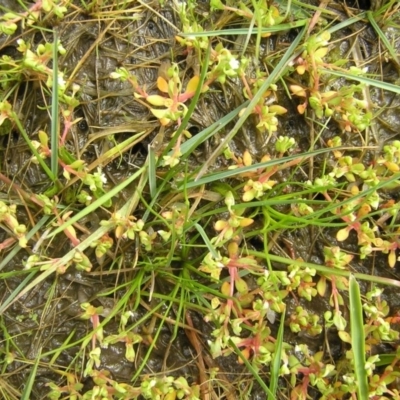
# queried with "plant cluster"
point(218, 242)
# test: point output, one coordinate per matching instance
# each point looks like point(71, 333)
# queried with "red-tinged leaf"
point(301, 108)
point(192, 85)
point(162, 84)
point(246, 354)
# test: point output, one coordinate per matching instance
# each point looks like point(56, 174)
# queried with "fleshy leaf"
point(156, 100)
point(220, 225)
point(301, 69)
point(192, 85)
point(165, 122)
point(301, 108)
point(226, 289)
point(278, 109)
point(322, 52)
point(298, 90)
point(162, 84)
point(392, 259)
point(246, 222)
point(247, 159)
point(343, 234)
point(159, 113)
point(344, 336)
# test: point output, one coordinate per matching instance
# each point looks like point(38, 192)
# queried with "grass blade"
point(232, 172)
point(193, 102)
point(276, 362)
point(251, 370)
point(244, 31)
point(152, 172)
point(328, 271)
point(362, 79)
point(29, 235)
point(26, 394)
point(6, 302)
point(97, 203)
point(188, 147)
point(210, 247)
point(383, 37)
point(345, 23)
point(275, 74)
point(54, 110)
point(32, 148)
point(358, 338)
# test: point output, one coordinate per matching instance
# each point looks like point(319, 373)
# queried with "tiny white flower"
point(234, 64)
point(102, 176)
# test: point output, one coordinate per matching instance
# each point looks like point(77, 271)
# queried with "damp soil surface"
point(46, 323)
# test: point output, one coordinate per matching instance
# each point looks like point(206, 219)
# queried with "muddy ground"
point(144, 46)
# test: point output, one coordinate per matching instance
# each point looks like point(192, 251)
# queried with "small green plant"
point(251, 239)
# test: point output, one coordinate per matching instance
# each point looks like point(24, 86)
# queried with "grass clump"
point(199, 200)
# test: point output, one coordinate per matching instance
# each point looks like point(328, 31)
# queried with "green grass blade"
point(383, 37)
point(193, 102)
point(232, 172)
point(6, 302)
point(98, 203)
point(29, 235)
point(276, 362)
point(54, 110)
point(367, 81)
point(62, 347)
point(209, 245)
point(26, 394)
point(188, 147)
point(152, 172)
point(32, 148)
point(358, 338)
point(275, 74)
point(251, 369)
point(244, 31)
point(347, 22)
point(325, 270)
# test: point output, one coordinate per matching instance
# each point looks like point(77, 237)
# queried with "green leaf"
point(156, 100)
point(26, 394)
point(276, 362)
point(358, 338)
